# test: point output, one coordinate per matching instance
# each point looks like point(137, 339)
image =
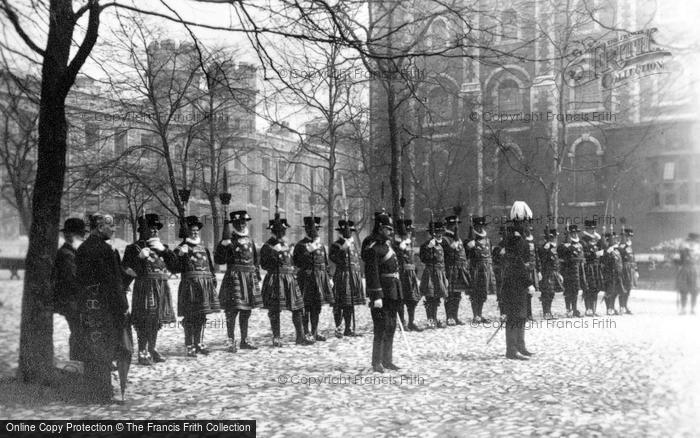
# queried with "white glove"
point(539, 276)
point(277, 247)
point(580, 291)
point(378, 303)
point(567, 244)
point(183, 249)
point(144, 253)
point(432, 243)
point(531, 288)
point(599, 253)
point(471, 244)
point(226, 242)
point(609, 250)
point(546, 245)
point(503, 251)
point(156, 244)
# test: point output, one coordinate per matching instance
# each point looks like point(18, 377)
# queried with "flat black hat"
point(278, 224)
point(346, 225)
point(436, 226)
point(312, 221)
point(552, 232)
point(192, 221)
point(479, 220)
point(628, 232)
point(74, 225)
point(404, 225)
point(240, 215)
point(151, 220)
point(573, 228)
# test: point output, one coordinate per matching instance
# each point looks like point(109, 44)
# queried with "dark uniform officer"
point(689, 269)
point(592, 251)
point(403, 247)
point(457, 267)
point(347, 279)
point(552, 281)
point(482, 276)
point(280, 290)
point(629, 272)
point(151, 304)
point(497, 256)
point(103, 305)
point(533, 263)
point(196, 296)
point(572, 264)
point(66, 283)
point(612, 272)
point(433, 284)
point(517, 282)
point(311, 260)
point(384, 289)
point(240, 288)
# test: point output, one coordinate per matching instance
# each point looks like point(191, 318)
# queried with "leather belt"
point(241, 268)
point(408, 267)
point(197, 274)
point(284, 270)
point(390, 275)
point(155, 276)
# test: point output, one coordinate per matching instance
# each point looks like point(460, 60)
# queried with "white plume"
point(520, 211)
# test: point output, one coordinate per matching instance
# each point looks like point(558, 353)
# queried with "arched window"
point(509, 97)
point(438, 36)
point(440, 103)
point(586, 168)
point(587, 95)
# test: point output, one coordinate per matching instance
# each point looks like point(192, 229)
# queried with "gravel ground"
point(605, 376)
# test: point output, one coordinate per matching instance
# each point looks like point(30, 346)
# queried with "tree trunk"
point(36, 327)
point(215, 218)
point(395, 172)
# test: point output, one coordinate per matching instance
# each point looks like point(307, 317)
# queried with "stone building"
point(605, 84)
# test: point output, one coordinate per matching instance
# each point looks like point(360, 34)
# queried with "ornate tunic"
point(456, 264)
point(482, 275)
point(629, 271)
point(240, 287)
point(151, 294)
point(612, 271)
point(280, 289)
point(407, 270)
point(434, 279)
point(552, 281)
point(572, 263)
point(347, 278)
point(592, 251)
point(311, 260)
point(197, 292)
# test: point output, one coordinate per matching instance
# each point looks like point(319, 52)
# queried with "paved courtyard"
point(609, 376)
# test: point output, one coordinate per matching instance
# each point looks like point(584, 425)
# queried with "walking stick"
point(496, 332)
point(403, 336)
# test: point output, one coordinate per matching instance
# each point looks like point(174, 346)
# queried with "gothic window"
point(440, 104)
point(586, 167)
point(509, 97)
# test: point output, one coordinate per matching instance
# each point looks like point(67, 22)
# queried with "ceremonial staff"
point(277, 224)
point(225, 198)
point(402, 203)
point(184, 197)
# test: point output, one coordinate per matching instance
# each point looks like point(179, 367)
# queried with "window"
point(509, 24)
point(588, 95)
point(297, 173)
point(266, 166)
point(440, 104)
point(91, 135)
point(509, 97)
point(669, 170)
point(586, 163)
point(120, 142)
point(251, 194)
point(297, 202)
point(265, 198)
point(684, 194)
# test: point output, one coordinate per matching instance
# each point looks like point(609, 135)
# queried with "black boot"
point(512, 343)
point(275, 326)
point(297, 317)
point(152, 339)
point(243, 323)
point(315, 314)
point(338, 319)
point(521, 341)
point(199, 337)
